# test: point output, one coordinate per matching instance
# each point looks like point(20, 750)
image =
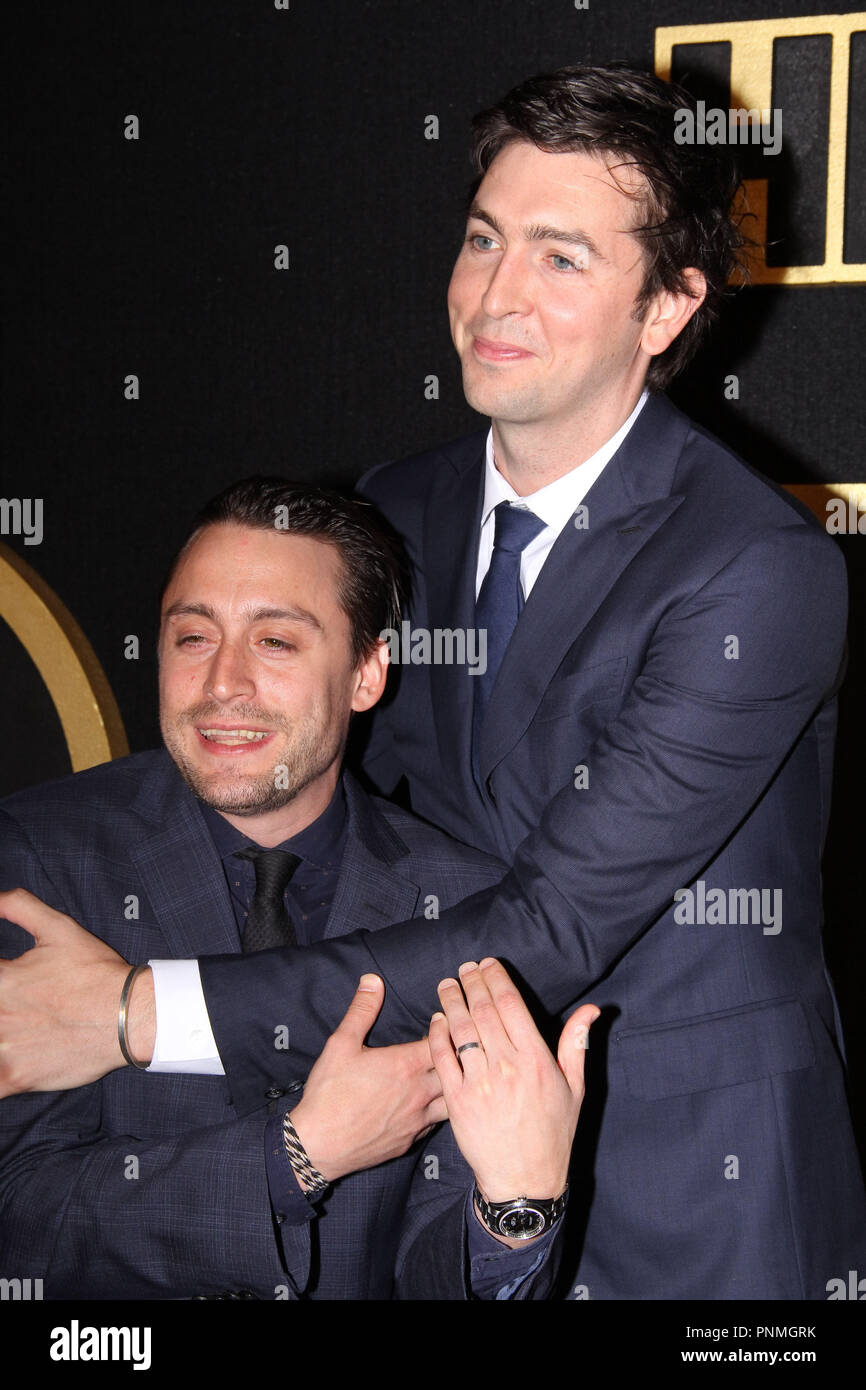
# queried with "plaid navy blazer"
point(153, 1186)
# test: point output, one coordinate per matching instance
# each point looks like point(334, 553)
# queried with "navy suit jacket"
point(152, 1186)
point(664, 715)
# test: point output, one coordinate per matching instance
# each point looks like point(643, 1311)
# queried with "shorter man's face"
point(542, 296)
point(256, 674)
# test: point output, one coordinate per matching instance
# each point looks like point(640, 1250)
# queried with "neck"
point(270, 828)
point(531, 455)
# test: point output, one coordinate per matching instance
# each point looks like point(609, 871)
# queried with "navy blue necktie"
point(268, 923)
point(500, 601)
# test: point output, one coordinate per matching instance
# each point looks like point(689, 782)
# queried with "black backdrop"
point(305, 126)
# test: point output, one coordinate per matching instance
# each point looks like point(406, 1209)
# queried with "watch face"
point(521, 1222)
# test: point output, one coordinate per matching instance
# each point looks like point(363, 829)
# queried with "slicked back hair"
point(372, 584)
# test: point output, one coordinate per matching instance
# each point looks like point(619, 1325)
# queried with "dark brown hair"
point(684, 217)
point(373, 581)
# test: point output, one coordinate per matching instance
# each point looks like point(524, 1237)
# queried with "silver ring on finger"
point(464, 1047)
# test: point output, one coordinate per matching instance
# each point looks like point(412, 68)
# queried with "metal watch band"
point(311, 1179)
point(523, 1218)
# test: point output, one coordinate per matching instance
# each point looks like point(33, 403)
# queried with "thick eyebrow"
point(542, 232)
point(253, 615)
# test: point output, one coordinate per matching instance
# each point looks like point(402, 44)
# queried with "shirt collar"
point(318, 843)
point(556, 501)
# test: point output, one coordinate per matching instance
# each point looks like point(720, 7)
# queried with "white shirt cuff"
point(184, 1038)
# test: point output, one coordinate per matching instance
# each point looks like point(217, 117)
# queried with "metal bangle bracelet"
point(122, 1012)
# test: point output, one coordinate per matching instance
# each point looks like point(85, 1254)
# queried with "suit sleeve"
point(439, 1259)
point(130, 1215)
point(734, 674)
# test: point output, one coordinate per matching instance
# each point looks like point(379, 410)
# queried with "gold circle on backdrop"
point(65, 660)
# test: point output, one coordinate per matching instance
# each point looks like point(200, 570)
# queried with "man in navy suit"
point(239, 837)
point(650, 744)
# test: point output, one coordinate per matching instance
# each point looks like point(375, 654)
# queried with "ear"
point(669, 313)
point(371, 676)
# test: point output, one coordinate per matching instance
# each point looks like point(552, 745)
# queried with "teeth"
point(234, 735)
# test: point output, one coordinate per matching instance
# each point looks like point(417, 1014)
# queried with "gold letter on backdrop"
point(65, 660)
point(751, 43)
point(751, 86)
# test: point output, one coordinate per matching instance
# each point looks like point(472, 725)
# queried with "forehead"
point(234, 567)
point(532, 187)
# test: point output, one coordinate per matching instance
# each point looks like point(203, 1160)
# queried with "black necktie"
point(500, 600)
point(268, 923)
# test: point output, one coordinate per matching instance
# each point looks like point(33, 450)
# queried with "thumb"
point(573, 1042)
point(362, 1012)
point(35, 916)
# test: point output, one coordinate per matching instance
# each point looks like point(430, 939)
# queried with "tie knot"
point(515, 528)
point(274, 868)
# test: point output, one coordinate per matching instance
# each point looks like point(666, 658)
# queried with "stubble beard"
point(304, 752)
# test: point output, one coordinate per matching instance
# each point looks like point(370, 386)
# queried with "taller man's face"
point(256, 676)
point(543, 291)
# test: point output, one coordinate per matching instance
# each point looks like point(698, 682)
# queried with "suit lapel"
point(626, 506)
point(450, 561)
point(181, 869)
point(371, 891)
point(186, 885)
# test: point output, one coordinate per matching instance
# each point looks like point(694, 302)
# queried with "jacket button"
point(274, 1093)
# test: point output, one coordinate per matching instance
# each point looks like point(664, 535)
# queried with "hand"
point(59, 1001)
point(364, 1105)
point(512, 1106)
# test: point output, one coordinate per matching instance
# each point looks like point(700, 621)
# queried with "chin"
point(245, 800)
point(483, 396)
point(274, 802)
point(501, 403)
point(238, 796)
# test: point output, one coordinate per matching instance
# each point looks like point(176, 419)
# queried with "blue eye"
point(563, 262)
point(475, 237)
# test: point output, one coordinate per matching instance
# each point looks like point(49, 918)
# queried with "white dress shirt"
point(555, 504)
point(184, 1038)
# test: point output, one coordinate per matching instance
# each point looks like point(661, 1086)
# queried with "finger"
point(429, 1094)
point(573, 1042)
point(429, 1086)
point(36, 917)
point(417, 1056)
point(448, 1069)
point(513, 1014)
point(362, 1012)
point(436, 1112)
point(482, 1007)
point(460, 1024)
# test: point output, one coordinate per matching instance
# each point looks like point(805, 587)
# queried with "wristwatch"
point(523, 1217)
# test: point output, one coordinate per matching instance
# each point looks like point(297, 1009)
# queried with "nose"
point(228, 676)
point(507, 289)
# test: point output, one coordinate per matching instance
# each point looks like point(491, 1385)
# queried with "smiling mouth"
point(501, 352)
point(234, 737)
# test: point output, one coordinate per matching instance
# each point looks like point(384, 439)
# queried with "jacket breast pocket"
point(572, 693)
point(723, 1049)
